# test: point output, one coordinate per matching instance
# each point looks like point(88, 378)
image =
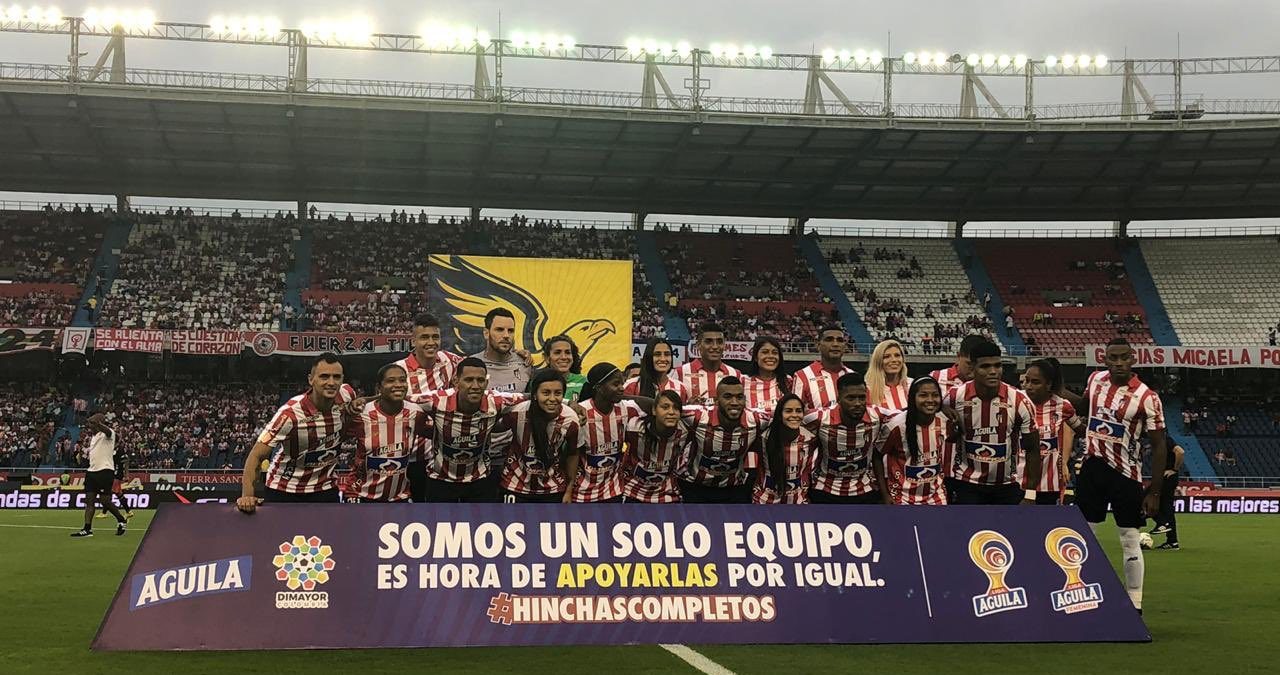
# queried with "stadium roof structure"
point(217, 135)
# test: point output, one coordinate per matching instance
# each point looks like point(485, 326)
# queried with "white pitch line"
point(46, 527)
point(697, 660)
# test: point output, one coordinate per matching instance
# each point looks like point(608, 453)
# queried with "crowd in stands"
point(37, 309)
point(796, 331)
point(29, 416)
point(384, 256)
point(186, 271)
point(184, 425)
point(55, 245)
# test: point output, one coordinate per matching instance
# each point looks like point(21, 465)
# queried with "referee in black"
point(1166, 522)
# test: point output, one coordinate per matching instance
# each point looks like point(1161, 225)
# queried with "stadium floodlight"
point(766, 52)
point(1020, 61)
point(843, 55)
point(717, 50)
point(128, 18)
point(1068, 60)
point(731, 51)
point(650, 46)
point(1050, 61)
point(988, 60)
point(1004, 61)
point(13, 13)
point(940, 59)
point(876, 58)
point(973, 60)
point(828, 55)
point(925, 58)
point(634, 45)
point(666, 48)
point(483, 37)
point(1100, 60)
point(859, 56)
point(749, 50)
point(1083, 60)
point(683, 48)
point(909, 58)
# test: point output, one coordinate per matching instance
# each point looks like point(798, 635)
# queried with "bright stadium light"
point(988, 60)
point(828, 55)
point(666, 48)
point(749, 50)
point(924, 58)
point(859, 56)
point(683, 48)
point(939, 59)
point(634, 45)
point(1068, 60)
point(1050, 61)
point(483, 37)
point(1020, 61)
point(1084, 60)
point(1100, 60)
point(843, 55)
point(876, 58)
point(13, 13)
point(717, 50)
point(1003, 61)
point(128, 18)
point(650, 46)
point(909, 58)
point(731, 51)
point(973, 60)
point(766, 52)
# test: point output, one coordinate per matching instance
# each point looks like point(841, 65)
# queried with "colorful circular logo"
point(303, 563)
point(264, 344)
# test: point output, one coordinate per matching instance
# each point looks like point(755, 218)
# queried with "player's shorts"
point(820, 497)
point(510, 497)
point(696, 493)
point(330, 496)
point(1047, 497)
point(98, 481)
point(962, 493)
point(1099, 486)
point(417, 474)
point(484, 490)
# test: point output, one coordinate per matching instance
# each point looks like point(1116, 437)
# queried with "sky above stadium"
point(1118, 29)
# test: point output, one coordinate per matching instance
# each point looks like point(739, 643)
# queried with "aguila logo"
point(993, 555)
point(1068, 550)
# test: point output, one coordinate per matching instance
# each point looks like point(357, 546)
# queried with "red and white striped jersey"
point(384, 447)
point(460, 441)
point(524, 472)
point(305, 444)
point(798, 458)
point(762, 394)
point(1051, 418)
point(947, 378)
point(719, 457)
point(700, 382)
point(919, 480)
point(602, 446)
point(843, 465)
point(423, 379)
point(632, 387)
point(1119, 416)
point(650, 463)
point(988, 453)
point(895, 395)
point(816, 386)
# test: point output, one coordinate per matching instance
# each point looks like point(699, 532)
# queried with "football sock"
point(1134, 566)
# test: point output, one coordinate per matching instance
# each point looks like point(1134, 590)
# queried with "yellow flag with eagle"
point(587, 300)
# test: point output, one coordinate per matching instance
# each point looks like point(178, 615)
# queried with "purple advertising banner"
point(443, 575)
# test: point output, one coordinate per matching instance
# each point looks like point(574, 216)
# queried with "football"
point(1144, 540)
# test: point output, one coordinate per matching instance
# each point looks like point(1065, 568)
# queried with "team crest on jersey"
point(1048, 445)
point(1067, 550)
point(993, 554)
point(985, 452)
point(384, 464)
point(1105, 428)
point(922, 473)
point(302, 564)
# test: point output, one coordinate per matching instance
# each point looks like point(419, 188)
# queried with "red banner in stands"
point(217, 342)
point(15, 340)
point(1209, 358)
point(129, 339)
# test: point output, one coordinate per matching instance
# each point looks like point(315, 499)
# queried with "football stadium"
point(571, 337)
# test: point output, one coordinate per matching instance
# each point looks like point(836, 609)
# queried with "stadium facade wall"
point(831, 287)
point(968, 258)
point(1145, 287)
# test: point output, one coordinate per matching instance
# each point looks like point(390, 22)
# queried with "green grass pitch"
point(1213, 607)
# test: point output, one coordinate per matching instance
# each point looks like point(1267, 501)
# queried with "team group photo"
point(543, 337)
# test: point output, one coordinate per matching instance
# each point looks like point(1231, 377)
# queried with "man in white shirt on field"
point(100, 475)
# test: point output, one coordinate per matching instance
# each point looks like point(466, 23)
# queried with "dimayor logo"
point(1067, 550)
point(587, 300)
point(993, 554)
point(303, 563)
